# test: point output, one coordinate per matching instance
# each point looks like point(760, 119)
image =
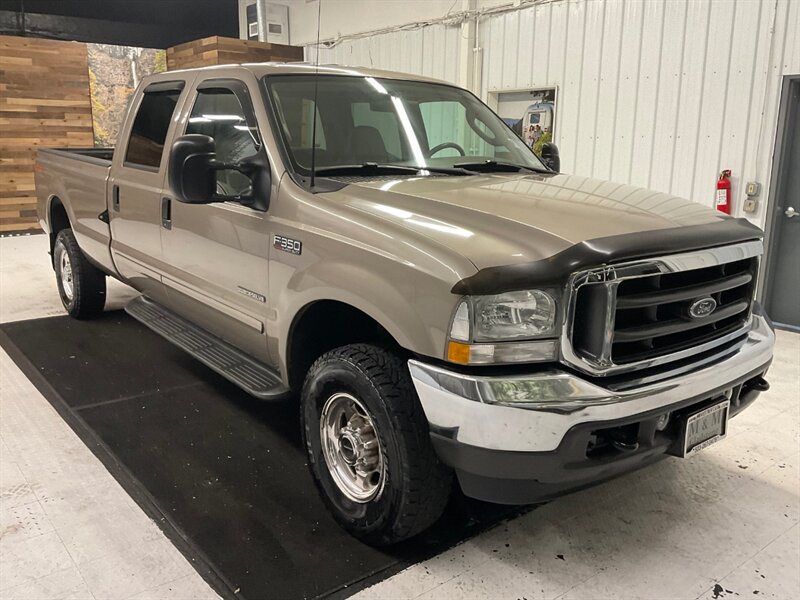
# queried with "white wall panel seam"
point(559, 118)
point(577, 144)
point(745, 174)
point(547, 76)
point(776, 76)
point(618, 76)
point(771, 75)
point(599, 82)
point(660, 63)
point(636, 97)
point(727, 83)
point(700, 110)
point(678, 112)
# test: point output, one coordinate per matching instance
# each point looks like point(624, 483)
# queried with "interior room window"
point(217, 113)
point(146, 143)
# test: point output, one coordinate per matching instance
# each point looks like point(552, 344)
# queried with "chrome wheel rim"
point(65, 270)
point(351, 448)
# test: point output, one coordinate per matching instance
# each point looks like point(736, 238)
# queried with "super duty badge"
point(287, 244)
point(251, 294)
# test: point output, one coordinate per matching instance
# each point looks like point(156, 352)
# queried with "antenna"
point(314, 118)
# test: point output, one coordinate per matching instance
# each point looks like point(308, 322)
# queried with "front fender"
point(415, 312)
point(414, 308)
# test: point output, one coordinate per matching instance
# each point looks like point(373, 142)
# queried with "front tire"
point(368, 445)
point(81, 285)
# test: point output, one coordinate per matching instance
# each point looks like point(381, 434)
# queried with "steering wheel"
point(445, 145)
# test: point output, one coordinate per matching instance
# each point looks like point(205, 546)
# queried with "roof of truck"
point(304, 68)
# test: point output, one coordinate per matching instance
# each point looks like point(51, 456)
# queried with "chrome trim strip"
point(612, 275)
point(533, 413)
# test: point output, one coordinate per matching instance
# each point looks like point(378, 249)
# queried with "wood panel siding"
point(217, 50)
point(44, 102)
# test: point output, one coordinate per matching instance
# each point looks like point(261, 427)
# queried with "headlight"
point(504, 328)
point(514, 316)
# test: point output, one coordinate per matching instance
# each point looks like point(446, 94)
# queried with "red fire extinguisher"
point(723, 199)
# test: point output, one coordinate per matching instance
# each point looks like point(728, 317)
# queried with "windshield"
point(388, 122)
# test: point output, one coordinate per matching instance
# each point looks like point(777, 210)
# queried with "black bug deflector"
point(556, 269)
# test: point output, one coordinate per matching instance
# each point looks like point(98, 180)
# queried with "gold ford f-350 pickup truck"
point(443, 303)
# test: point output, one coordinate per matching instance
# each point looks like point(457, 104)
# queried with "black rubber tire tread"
point(88, 282)
point(425, 483)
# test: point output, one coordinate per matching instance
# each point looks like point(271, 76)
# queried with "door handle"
point(166, 213)
point(791, 212)
point(115, 197)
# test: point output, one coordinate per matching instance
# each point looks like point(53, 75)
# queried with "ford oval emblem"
point(702, 308)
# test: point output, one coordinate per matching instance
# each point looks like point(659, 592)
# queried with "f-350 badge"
point(286, 244)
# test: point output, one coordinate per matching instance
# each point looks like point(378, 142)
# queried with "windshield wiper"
point(493, 166)
point(370, 168)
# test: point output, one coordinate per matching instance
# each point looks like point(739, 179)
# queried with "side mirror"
point(550, 157)
point(193, 173)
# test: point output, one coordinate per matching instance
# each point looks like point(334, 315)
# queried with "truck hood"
point(496, 220)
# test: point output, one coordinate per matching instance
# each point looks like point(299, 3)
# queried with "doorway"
point(782, 274)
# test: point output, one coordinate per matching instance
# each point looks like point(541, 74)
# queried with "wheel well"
point(58, 220)
point(323, 326)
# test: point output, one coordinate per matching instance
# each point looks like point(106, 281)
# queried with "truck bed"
point(77, 179)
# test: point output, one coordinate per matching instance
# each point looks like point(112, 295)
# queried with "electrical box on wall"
point(248, 20)
point(264, 21)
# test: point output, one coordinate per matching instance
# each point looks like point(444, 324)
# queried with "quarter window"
point(149, 131)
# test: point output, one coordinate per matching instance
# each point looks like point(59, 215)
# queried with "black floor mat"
point(223, 474)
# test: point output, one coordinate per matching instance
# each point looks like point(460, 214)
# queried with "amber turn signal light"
point(458, 353)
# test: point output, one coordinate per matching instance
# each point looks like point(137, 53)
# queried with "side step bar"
point(252, 376)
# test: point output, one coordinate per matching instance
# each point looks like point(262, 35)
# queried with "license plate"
point(705, 427)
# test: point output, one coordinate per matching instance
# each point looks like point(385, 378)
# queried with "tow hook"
point(620, 443)
point(757, 383)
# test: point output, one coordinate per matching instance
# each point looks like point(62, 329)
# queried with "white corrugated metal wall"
point(432, 51)
point(662, 94)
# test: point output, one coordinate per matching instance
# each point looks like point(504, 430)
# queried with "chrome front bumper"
point(533, 413)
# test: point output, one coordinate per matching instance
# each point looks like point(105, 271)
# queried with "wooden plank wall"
point(217, 50)
point(44, 102)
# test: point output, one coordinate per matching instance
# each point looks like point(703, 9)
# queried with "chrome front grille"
point(652, 315)
point(645, 313)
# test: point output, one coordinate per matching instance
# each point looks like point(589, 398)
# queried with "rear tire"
point(81, 285)
point(361, 412)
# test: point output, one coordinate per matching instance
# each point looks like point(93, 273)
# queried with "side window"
point(218, 113)
point(384, 122)
point(146, 142)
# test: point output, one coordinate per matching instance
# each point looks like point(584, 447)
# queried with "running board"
point(233, 364)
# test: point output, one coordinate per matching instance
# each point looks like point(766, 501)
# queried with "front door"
point(783, 280)
point(216, 255)
point(135, 185)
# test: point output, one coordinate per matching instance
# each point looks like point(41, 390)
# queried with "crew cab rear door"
point(216, 255)
point(136, 182)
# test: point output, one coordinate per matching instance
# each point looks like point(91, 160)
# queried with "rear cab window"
point(149, 130)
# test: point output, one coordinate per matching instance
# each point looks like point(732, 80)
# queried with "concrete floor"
point(723, 524)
